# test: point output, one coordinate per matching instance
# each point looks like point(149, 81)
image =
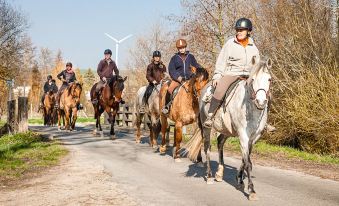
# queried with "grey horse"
point(151, 109)
point(243, 114)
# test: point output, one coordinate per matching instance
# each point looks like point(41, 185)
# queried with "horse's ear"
point(254, 60)
point(125, 78)
point(193, 69)
point(269, 63)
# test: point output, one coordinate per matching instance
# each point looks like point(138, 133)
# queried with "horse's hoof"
point(113, 137)
point(218, 178)
point(155, 146)
point(162, 149)
point(177, 160)
point(95, 132)
point(210, 181)
point(253, 197)
point(137, 141)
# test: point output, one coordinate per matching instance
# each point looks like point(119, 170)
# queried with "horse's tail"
point(193, 146)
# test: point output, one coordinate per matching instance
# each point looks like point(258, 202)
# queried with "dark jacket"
point(69, 77)
point(106, 69)
point(179, 66)
point(50, 87)
point(155, 72)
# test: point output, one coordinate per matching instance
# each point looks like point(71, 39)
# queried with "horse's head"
point(75, 90)
point(259, 81)
point(118, 87)
point(200, 79)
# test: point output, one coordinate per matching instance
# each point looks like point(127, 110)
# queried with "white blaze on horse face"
point(261, 85)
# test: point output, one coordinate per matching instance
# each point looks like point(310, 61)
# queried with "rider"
point(107, 70)
point(154, 74)
point(179, 69)
point(48, 86)
point(67, 76)
point(234, 62)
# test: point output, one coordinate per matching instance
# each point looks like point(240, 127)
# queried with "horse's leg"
point(75, 116)
point(164, 125)
point(59, 119)
point(245, 149)
point(207, 149)
point(138, 124)
point(220, 173)
point(177, 141)
point(67, 117)
point(112, 132)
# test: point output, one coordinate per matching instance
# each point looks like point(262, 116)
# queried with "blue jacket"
point(182, 67)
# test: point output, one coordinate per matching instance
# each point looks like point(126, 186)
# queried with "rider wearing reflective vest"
point(179, 69)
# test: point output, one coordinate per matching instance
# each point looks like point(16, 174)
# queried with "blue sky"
point(77, 27)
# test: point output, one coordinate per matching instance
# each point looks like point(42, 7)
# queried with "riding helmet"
point(156, 54)
point(181, 43)
point(69, 64)
point(49, 77)
point(243, 23)
point(108, 51)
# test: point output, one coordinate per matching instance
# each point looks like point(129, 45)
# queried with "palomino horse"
point(109, 101)
point(49, 111)
point(153, 112)
point(243, 114)
point(69, 101)
point(185, 108)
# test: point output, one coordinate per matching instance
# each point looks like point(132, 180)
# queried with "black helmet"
point(49, 77)
point(156, 54)
point(69, 64)
point(243, 23)
point(108, 51)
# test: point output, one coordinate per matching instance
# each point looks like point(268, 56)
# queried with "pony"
point(109, 101)
point(184, 109)
point(69, 101)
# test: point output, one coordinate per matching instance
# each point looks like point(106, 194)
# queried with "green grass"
point(2, 123)
point(79, 120)
point(265, 149)
point(24, 152)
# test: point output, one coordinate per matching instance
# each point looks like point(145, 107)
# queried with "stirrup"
point(80, 107)
point(165, 110)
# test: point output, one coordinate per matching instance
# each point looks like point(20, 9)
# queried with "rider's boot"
point(215, 103)
point(168, 103)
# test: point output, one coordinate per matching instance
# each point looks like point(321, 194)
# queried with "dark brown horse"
point(69, 101)
point(108, 101)
point(184, 110)
point(49, 110)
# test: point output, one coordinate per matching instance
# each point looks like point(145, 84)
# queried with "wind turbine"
point(117, 42)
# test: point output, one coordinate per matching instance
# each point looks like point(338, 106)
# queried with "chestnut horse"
point(49, 111)
point(108, 101)
point(69, 101)
point(184, 110)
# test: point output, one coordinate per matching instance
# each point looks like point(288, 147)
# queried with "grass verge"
point(79, 120)
point(25, 152)
point(264, 149)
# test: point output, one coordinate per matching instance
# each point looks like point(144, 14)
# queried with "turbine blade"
point(123, 39)
point(114, 39)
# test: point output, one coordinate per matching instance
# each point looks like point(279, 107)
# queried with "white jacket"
point(234, 59)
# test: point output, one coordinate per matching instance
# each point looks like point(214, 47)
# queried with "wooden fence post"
point(22, 114)
point(11, 116)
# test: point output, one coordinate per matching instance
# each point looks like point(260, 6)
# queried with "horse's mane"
point(202, 72)
point(257, 68)
point(76, 84)
point(119, 83)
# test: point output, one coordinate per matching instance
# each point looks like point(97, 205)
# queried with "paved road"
point(154, 179)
